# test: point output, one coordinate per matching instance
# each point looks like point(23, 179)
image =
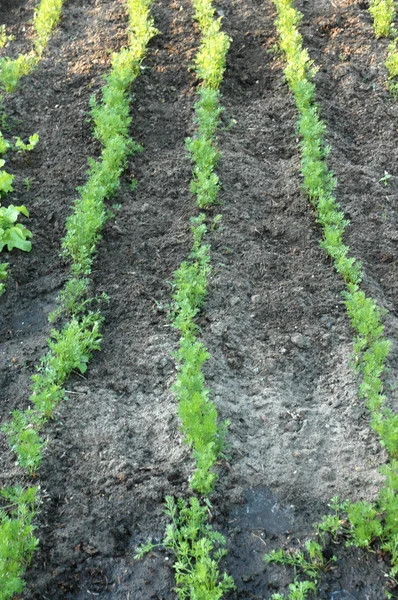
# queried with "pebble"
point(327, 320)
point(300, 340)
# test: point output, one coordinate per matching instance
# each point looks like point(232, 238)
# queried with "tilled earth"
point(274, 320)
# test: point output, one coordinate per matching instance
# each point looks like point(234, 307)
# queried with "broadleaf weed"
point(12, 234)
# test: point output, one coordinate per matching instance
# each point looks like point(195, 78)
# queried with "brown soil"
point(274, 321)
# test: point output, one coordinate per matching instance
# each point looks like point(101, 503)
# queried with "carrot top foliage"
point(371, 348)
point(71, 347)
point(46, 18)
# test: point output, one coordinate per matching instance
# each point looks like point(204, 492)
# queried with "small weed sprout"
point(4, 37)
point(332, 524)
point(385, 179)
point(4, 144)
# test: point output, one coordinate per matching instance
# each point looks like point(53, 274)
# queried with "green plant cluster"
point(70, 348)
point(193, 542)
point(309, 563)
point(197, 413)
point(378, 520)
point(3, 277)
point(392, 67)
point(371, 348)
point(12, 234)
point(17, 539)
point(210, 65)
point(46, 18)
point(198, 549)
point(4, 37)
point(358, 523)
point(22, 146)
point(383, 14)
point(111, 127)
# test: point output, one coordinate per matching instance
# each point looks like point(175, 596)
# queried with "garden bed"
point(274, 320)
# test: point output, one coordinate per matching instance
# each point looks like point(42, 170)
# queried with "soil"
point(274, 321)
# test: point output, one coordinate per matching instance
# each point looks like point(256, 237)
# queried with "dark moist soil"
point(274, 321)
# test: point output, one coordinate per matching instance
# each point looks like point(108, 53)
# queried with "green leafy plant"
point(309, 563)
point(46, 18)
point(298, 590)
point(197, 548)
point(3, 277)
point(210, 66)
point(70, 349)
point(365, 523)
point(197, 413)
point(24, 439)
point(332, 524)
point(190, 538)
point(392, 67)
point(11, 70)
point(17, 539)
point(383, 13)
point(370, 347)
point(5, 180)
point(385, 179)
point(27, 147)
point(4, 145)
point(12, 234)
point(4, 37)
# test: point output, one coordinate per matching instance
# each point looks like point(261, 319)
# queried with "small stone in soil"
point(300, 340)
